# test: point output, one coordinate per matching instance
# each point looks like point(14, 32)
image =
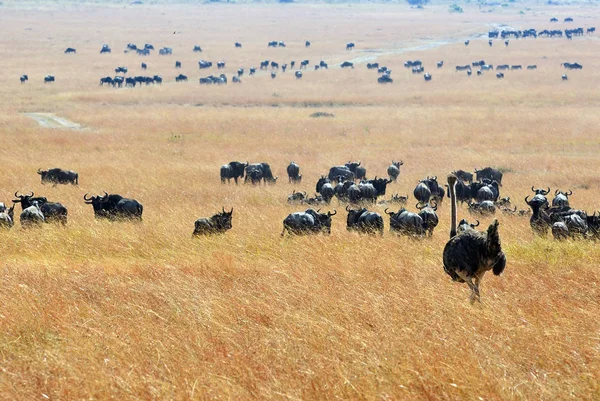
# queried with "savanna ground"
point(143, 311)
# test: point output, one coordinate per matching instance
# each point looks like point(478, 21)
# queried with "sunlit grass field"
point(100, 310)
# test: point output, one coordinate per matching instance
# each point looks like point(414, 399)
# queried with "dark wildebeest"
point(489, 173)
point(24, 78)
point(144, 66)
point(406, 223)
point(347, 64)
point(363, 221)
point(217, 224)
point(49, 78)
point(308, 222)
point(54, 212)
point(59, 176)
point(463, 175)
point(197, 49)
point(350, 46)
point(298, 74)
point(307, 44)
point(561, 199)
point(259, 171)
point(297, 197)
point(181, 78)
point(238, 44)
point(499, 75)
point(177, 64)
point(359, 172)
point(70, 50)
point(107, 80)
point(233, 170)
point(115, 207)
point(394, 170)
point(340, 171)
point(293, 171)
point(428, 213)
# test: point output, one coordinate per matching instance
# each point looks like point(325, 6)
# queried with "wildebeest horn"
point(476, 225)
point(304, 193)
point(231, 210)
point(569, 193)
point(31, 194)
point(515, 209)
point(359, 162)
point(532, 189)
point(548, 191)
point(223, 207)
point(105, 197)
point(435, 178)
point(332, 214)
point(85, 198)
point(347, 208)
point(16, 194)
point(556, 192)
point(39, 171)
point(386, 212)
point(435, 205)
point(318, 210)
point(401, 162)
point(527, 201)
point(417, 206)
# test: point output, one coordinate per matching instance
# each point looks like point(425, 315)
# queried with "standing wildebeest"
point(406, 223)
point(394, 170)
point(177, 64)
point(350, 46)
point(32, 215)
point(238, 45)
point(298, 74)
point(70, 50)
point(565, 77)
point(307, 44)
point(24, 78)
point(115, 207)
point(181, 78)
point(54, 212)
point(489, 173)
point(59, 176)
point(217, 224)
point(422, 193)
point(429, 216)
point(197, 49)
point(105, 49)
point(359, 172)
point(308, 222)
point(49, 78)
point(144, 66)
point(259, 171)
point(561, 199)
point(346, 64)
point(340, 171)
point(293, 171)
point(7, 216)
point(233, 170)
point(469, 254)
point(363, 221)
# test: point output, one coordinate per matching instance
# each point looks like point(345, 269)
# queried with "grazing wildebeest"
point(144, 66)
point(499, 75)
point(349, 46)
point(121, 69)
point(440, 64)
point(59, 176)
point(115, 207)
point(238, 44)
point(406, 223)
point(565, 77)
point(217, 224)
point(293, 171)
point(469, 254)
point(532, 67)
point(274, 65)
point(489, 173)
point(236, 80)
point(467, 42)
point(553, 19)
point(70, 50)
point(24, 78)
point(105, 49)
point(323, 64)
point(49, 78)
point(427, 76)
point(307, 44)
point(347, 64)
point(177, 64)
point(465, 67)
point(363, 221)
point(385, 79)
point(298, 74)
point(233, 170)
point(308, 222)
point(516, 67)
point(197, 49)
point(568, 19)
point(273, 75)
point(158, 79)
point(394, 170)
point(181, 78)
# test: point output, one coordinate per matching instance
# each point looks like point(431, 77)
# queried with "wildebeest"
point(177, 64)
point(484, 208)
point(24, 78)
point(49, 78)
point(394, 170)
point(236, 80)
point(464, 176)
point(217, 224)
point(197, 49)
point(59, 176)
point(532, 67)
point(259, 171)
point(350, 46)
point(54, 212)
point(298, 74)
point(293, 171)
point(144, 66)
point(422, 193)
point(181, 78)
point(105, 49)
point(323, 64)
point(308, 222)
point(499, 75)
point(238, 44)
point(489, 173)
point(273, 75)
point(427, 76)
point(440, 64)
point(565, 77)
point(406, 223)
point(165, 51)
point(7, 216)
point(32, 216)
point(233, 170)
point(561, 199)
point(463, 67)
point(70, 50)
point(115, 207)
point(359, 171)
point(340, 171)
point(307, 44)
point(429, 216)
point(469, 254)
point(347, 64)
point(297, 197)
point(467, 42)
point(220, 64)
point(385, 79)
point(364, 221)
point(121, 70)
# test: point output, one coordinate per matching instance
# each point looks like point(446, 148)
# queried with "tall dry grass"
point(143, 311)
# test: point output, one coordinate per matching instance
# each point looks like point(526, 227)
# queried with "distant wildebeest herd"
point(384, 77)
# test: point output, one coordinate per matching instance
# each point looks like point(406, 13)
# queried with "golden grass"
point(143, 311)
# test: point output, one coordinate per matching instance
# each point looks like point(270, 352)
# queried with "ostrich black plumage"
point(469, 254)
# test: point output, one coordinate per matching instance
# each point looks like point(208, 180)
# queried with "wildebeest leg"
point(283, 232)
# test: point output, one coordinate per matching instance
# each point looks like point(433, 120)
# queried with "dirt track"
point(49, 120)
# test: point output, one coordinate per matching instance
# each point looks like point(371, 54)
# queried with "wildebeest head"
point(28, 200)
point(352, 166)
point(43, 173)
point(97, 202)
point(323, 219)
point(322, 181)
point(380, 185)
point(540, 191)
point(353, 215)
point(222, 220)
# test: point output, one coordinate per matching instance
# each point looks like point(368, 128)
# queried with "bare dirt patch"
point(49, 120)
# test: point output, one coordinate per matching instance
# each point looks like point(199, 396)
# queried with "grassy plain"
point(142, 311)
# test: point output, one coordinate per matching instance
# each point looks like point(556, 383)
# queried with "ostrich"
point(469, 254)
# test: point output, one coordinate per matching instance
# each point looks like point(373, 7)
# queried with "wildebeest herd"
point(384, 73)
